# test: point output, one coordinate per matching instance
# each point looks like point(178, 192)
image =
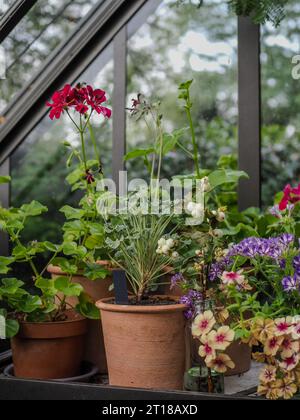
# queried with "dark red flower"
point(81, 98)
point(290, 196)
point(95, 99)
point(136, 102)
point(89, 177)
point(61, 100)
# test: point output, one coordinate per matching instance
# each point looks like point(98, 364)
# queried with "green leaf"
point(19, 252)
point(68, 288)
point(138, 153)
point(29, 304)
point(4, 264)
point(5, 179)
point(87, 307)
point(33, 209)
point(225, 176)
point(47, 286)
point(74, 228)
point(11, 326)
point(96, 229)
point(72, 249)
point(94, 241)
point(241, 227)
point(51, 247)
point(66, 266)
point(72, 213)
point(75, 176)
point(186, 85)
point(10, 286)
point(96, 272)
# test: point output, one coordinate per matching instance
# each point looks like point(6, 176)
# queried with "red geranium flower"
point(290, 196)
point(62, 99)
point(89, 177)
point(80, 98)
point(95, 98)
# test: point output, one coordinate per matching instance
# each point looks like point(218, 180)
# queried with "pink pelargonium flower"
point(283, 326)
point(290, 363)
point(233, 278)
point(290, 196)
point(203, 324)
point(222, 338)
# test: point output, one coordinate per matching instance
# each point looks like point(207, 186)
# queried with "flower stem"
point(83, 145)
point(195, 146)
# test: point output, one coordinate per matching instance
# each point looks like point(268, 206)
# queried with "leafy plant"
point(45, 300)
point(138, 251)
point(261, 11)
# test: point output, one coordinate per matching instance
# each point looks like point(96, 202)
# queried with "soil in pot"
point(145, 344)
point(94, 345)
point(52, 350)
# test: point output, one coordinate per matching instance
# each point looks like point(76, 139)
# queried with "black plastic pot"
point(88, 371)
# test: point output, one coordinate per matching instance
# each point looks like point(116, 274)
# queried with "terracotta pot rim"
point(45, 324)
point(103, 305)
point(54, 269)
point(49, 330)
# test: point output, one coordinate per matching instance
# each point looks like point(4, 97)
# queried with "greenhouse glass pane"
point(281, 104)
point(39, 164)
point(5, 5)
point(34, 39)
point(177, 44)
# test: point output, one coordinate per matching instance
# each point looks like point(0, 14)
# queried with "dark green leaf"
point(63, 285)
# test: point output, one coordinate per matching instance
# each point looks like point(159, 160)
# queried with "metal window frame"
point(95, 33)
point(13, 16)
point(249, 86)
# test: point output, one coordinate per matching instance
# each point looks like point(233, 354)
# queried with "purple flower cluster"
point(292, 283)
point(176, 280)
point(253, 248)
point(260, 247)
point(191, 299)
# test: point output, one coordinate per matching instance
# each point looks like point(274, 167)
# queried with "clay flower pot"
point(52, 350)
point(94, 345)
point(145, 345)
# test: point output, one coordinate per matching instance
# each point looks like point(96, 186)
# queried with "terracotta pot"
point(241, 355)
point(49, 350)
point(94, 346)
point(145, 345)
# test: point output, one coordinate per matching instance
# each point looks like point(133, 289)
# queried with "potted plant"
point(38, 318)
point(261, 275)
point(151, 328)
point(84, 256)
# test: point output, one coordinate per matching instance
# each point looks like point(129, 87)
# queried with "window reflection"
point(176, 45)
point(281, 104)
point(39, 164)
point(44, 27)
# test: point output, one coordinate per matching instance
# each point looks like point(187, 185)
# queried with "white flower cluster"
point(219, 215)
point(196, 210)
point(166, 247)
